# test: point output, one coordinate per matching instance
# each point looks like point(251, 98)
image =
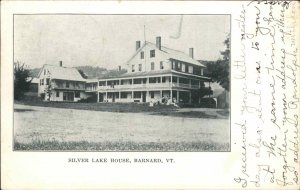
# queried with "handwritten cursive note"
point(266, 72)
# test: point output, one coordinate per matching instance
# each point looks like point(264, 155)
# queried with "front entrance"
point(101, 98)
point(68, 96)
point(113, 97)
point(144, 96)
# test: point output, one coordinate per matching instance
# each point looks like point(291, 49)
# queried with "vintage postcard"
point(150, 95)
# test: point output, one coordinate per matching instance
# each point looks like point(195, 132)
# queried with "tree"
point(219, 70)
point(203, 91)
point(48, 91)
point(22, 80)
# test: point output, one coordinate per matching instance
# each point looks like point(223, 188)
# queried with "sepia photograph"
point(132, 83)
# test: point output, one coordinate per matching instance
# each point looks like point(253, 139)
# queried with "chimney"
point(158, 42)
point(60, 63)
point(137, 45)
point(191, 52)
point(120, 68)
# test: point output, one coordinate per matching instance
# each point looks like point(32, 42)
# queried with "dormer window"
point(183, 67)
point(152, 53)
point(142, 55)
point(173, 65)
point(132, 68)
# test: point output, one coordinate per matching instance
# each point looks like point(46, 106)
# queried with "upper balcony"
point(66, 86)
point(146, 86)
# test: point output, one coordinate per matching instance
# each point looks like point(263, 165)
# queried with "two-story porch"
point(67, 90)
point(149, 86)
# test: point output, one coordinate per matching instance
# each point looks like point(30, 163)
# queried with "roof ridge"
point(167, 47)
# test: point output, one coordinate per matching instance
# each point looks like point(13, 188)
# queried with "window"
point(132, 68)
point(161, 65)
point(142, 55)
point(47, 81)
point(77, 94)
point(152, 53)
point(123, 94)
point(102, 83)
point(164, 79)
point(57, 94)
point(140, 67)
point(177, 65)
point(183, 67)
point(152, 65)
point(201, 71)
point(137, 95)
point(152, 94)
point(152, 80)
point(67, 84)
point(42, 81)
point(190, 69)
point(173, 65)
point(44, 71)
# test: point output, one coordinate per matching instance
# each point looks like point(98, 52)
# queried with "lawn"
point(49, 128)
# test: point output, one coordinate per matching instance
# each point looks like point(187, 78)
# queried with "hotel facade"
point(154, 73)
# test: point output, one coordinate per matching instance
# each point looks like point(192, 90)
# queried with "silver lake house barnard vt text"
point(122, 83)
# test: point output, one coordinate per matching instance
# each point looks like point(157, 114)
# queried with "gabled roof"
point(63, 73)
point(170, 53)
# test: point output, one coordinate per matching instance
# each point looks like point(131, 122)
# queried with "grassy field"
point(53, 145)
point(52, 128)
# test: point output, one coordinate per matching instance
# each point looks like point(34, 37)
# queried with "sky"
point(109, 40)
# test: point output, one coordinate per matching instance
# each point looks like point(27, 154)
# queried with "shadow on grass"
point(22, 110)
point(108, 107)
point(190, 114)
point(53, 145)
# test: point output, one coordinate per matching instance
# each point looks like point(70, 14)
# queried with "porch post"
point(106, 96)
point(171, 94)
point(209, 87)
point(119, 96)
point(147, 96)
point(190, 83)
point(190, 97)
point(98, 96)
point(177, 96)
point(132, 82)
point(132, 95)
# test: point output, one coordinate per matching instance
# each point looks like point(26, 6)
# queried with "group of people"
point(165, 100)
